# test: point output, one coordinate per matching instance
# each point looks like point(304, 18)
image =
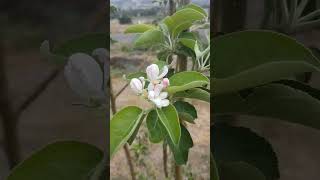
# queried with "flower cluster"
point(157, 84)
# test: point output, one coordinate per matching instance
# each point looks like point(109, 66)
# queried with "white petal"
point(136, 85)
point(151, 95)
point(165, 102)
point(164, 72)
point(157, 102)
point(163, 95)
point(152, 72)
point(157, 89)
point(150, 87)
point(142, 81)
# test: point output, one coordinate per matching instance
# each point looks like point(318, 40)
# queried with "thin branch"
point(37, 91)
point(121, 90)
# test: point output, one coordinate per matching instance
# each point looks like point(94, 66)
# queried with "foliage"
point(166, 120)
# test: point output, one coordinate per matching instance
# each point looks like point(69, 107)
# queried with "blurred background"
point(147, 157)
point(296, 146)
point(36, 104)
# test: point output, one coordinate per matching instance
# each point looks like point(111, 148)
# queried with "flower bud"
point(165, 82)
point(136, 85)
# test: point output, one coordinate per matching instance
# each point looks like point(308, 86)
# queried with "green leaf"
point(122, 126)
point(139, 28)
point(284, 100)
point(187, 15)
point(196, 8)
point(186, 80)
point(156, 129)
point(195, 93)
point(233, 144)
point(182, 20)
point(149, 38)
point(180, 27)
point(64, 160)
point(169, 118)
point(181, 151)
point(186, 111)
point(265, 57)
point(134, 135)
point(85, 44)
point(285, 103)
point(240, 171)
point(190, 43)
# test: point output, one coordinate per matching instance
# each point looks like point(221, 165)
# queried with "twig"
point(165, 160)
point(121, 90)
point(38, 91)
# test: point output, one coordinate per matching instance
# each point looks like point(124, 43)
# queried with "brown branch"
point(37, 91)
point(9, 118)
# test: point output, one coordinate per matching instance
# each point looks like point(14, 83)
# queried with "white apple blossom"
point(154, 76)
point(137, 85)
point(158, 97)
point(157, 84)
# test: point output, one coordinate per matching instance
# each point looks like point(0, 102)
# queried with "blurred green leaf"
point(85, 44)
point(63, 160)
point(240, 171)
point(238, 144)
point(251, 58)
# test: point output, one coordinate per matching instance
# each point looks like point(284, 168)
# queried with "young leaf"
point(233, 144)
point(187, 15)
point(181, 151)
point(196, 8)
point(186, 111)
point(186, 80)
point(169, 118)
point(149, 38)
point(266, 57)
point(122, 126)
point(195, 93)
point(139, 28)
point(156, 129)
point(63, 160)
